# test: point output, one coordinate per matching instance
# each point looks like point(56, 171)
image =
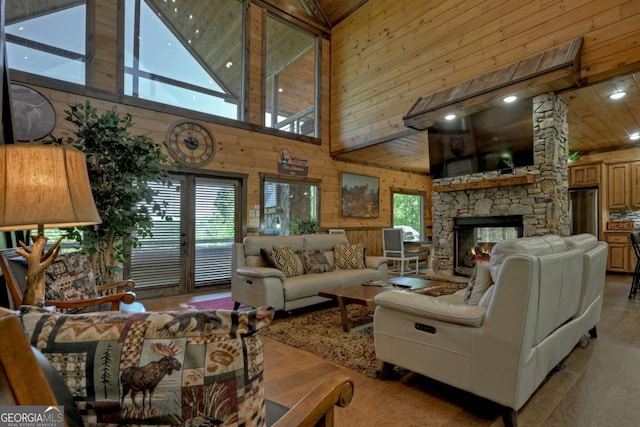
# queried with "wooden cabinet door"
point(584, 176)
point(618, 195)
point(619, 252)
point(635, 185)
point(618, 257)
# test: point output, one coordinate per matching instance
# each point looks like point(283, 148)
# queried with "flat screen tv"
point(499, 138)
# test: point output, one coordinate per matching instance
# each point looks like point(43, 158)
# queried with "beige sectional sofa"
point(255, 284)
point(547, 295)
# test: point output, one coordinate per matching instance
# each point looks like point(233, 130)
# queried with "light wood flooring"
point(598, 385)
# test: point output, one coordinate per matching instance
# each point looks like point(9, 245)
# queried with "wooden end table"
point(364, 294)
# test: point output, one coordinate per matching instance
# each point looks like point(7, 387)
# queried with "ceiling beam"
point(550, 71)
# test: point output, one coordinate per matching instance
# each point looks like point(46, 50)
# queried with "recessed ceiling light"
point(229, 64)
point(634, 136)
point(509, 99)
point(450, 117)
point(617, 95)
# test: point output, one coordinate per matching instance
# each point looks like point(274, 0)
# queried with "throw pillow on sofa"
point(315, 262)
point(187, 364)
point(287, 261)
point(479, 282)
point(348, 256)
point(267, 258)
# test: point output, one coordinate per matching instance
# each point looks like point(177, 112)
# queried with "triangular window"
point(174, 55)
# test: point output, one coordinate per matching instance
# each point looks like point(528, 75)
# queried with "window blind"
point(215, 225)
point(156, 261)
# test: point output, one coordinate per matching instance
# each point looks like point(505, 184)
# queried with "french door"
point(190, 252)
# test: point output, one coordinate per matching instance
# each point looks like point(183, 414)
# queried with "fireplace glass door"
point(476, 236)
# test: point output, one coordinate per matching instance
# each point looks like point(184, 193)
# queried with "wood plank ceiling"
point(596, 122)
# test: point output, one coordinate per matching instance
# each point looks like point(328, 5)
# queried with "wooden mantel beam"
point(487, 183)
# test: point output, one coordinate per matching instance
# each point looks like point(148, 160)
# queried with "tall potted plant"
point(120, 166)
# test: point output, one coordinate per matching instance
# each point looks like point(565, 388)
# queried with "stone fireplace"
point(537, 194)
point(474, 237)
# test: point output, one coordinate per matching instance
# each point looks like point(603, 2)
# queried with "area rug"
point(320, 332)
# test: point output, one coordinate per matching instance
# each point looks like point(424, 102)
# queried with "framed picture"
point(33, 115)
point(360, 196)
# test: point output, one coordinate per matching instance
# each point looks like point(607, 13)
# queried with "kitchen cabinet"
point(635, 185)
point(618, 186)
point(622, 259)
point(584, 176)
point(623, 186)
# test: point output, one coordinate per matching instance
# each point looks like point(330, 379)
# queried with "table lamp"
point(43, 186)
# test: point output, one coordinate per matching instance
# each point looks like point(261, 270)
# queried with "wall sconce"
point(278, 223)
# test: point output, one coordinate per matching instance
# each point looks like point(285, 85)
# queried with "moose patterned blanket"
point(157, 368)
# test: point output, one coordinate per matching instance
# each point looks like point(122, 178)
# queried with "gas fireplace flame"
point(480, 254)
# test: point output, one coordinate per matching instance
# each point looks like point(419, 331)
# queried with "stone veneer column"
point(550, 133)
point(544, 205)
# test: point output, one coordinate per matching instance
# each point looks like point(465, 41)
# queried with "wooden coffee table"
point(364, 294)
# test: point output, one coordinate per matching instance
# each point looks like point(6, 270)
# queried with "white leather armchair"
point(547, 295)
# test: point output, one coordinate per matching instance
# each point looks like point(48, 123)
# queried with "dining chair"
point(394, 250)
point(635, 282)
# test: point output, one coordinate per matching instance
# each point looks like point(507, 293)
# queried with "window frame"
point(117, 96)
point(87, 57)
point(287, 180)
point(422, 213)
point(317, 96)
point(136, 73)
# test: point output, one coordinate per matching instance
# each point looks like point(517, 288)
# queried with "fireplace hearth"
point(474, 237)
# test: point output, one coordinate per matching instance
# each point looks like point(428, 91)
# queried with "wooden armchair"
point(70, 284)
point(22, 382)
point(231, 380)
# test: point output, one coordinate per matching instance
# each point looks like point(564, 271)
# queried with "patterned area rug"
point(320, 332)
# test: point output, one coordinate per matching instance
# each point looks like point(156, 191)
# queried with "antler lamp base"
point(38, 263)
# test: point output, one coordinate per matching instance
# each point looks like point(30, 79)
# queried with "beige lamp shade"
point(44, 186)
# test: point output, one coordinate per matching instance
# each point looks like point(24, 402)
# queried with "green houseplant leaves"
point(120, 166)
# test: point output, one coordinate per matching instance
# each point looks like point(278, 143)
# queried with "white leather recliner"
point(547, 296)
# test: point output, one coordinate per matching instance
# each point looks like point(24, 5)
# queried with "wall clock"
point(190, 144)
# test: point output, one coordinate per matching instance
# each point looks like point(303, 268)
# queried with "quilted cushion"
point(70, 277)
point(190, 365)
point(286, 261)
point(315, 262)
point(348, 256)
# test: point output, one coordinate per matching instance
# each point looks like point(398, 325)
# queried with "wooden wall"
point(241, 150)
point(391, 52)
